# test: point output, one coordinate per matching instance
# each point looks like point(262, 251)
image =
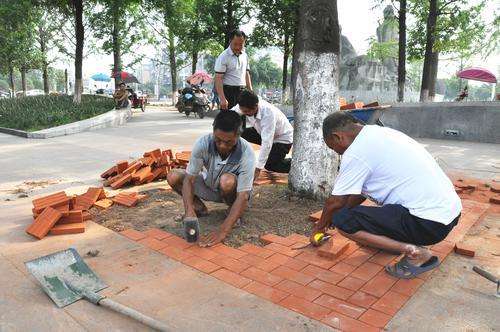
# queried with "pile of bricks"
point(152, 166)
point(59, 213)
point(357, 105)
point(347, 289)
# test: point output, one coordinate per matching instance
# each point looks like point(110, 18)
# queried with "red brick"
point(464, 250)
point(362, 299)
point(295, 264)
point(53, 200)
point(121, 166)
point(44, 222)
point(103, 203)
point(495, 199)
point(201, 264)
point(123, 180)
point(254, 260)
point(205, 253)
point(358, 257)
point(222, 249)
point(407, 286)
point(156, 153)
point(379, 285)
point(347, 324)
point(278, 258)
point(383, 258)
point(335, 291)
point(342, 268)
point(157, 233)
point(341, 306)
point(86, 215)
point(390, 303)
point(261, 276)
point(373, 104)
point(351, 283)
point(73, 228)
point(64, 209)
point(175, 253)
point(304, 307)
point(268, 265)
point(375, 318)
point(444, 247)
point(366, 271)
point(316, 216)
point(276, 247)
point(298, 238)
point(75, 216)
point(256, 250)
point(93, 193)
point(334, 247)
point(272, 238)
point(298, 290)
point(112, 179)
point(231, 278)
point(177, 242)
point(312, 258)
point(133, 234)
point(352, 106)
point(126, 199)
point(109, 172)
point(157, 173)
point(153, 243)
point(322, 274)
point(84, 202)
point(141, 175)
point(132, 168)
point(287, 273)
point(230, 263)
point(266, 292)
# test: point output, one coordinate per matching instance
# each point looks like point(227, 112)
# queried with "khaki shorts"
point(206, 193)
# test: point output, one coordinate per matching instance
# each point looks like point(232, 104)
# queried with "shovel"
point(66, 278)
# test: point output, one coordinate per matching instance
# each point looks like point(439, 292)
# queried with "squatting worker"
point(418, 205)
point(269, 128)
point(232, 71)
point(121, 96)
point(220, 170)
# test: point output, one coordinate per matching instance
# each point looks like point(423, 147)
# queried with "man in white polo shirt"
point(418, 205)
point(269, 128)
point(232, 72)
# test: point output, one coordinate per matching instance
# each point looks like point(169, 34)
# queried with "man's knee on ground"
point(174, 178)
point(228, 183)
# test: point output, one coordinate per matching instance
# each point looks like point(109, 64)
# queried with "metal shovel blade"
point(53, 270)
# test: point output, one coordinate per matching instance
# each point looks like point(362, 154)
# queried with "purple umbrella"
point(477, 74)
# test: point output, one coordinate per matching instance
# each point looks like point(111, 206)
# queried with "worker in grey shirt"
point(221, 169)
point(232, 72)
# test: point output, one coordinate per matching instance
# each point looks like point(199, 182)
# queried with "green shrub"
point(39, 112)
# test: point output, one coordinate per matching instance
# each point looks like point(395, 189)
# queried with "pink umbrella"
point(198, 77)
point(477, 74)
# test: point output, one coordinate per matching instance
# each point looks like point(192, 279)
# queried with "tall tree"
point(316, 94)
point(401, 50)
point(276, 26)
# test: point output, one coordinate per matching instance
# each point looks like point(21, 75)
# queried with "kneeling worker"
point(220, 170)
point(418, 205)
point(269, 128)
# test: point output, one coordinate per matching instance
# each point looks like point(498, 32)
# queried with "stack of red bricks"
point(358, 105)
point(152, 166)
point(346, 288)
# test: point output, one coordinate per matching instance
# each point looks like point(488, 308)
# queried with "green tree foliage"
point(382, 50)
point(265, 73)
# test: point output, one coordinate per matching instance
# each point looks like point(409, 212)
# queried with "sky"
point(358, 22)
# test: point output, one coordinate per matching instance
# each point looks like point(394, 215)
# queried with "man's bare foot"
point(417, 255)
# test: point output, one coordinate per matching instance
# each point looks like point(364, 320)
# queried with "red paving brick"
point(222, 249)
point(379, 285)
point(73, 228)
point(342, 268)
point(175, 253)
point(366, 271)
point(335, 291)
point(444, 247)
point(464, 250)
point(201, 264)
point(153, 243)
point(133, 234)
point(322, 274)
point(268, 265)
point(254, 260)
point(279, 248)
point(351, 283)
point(295, 264)
point(375, 318)
point(390, 303)
point(231, 278)
point(175, 241)
point(230, 263)
point(266, 292)
point(340, 306)
point(305, 307)
point(290, 274)
point(335, 247)
point(358, 257)
point(407, 286)
point(344, 323)
point(271, 238)
point(298, 238)
point(314, 259)
point(362, 299)
point(298, 290)
point(157, 233)
point(44, 222)
point(256, 250)
point(382, 258)
point(72, 217)
point(205, 253)
point(261, 276)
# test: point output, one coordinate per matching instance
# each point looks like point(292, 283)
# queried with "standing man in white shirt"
point(418, 205)
point(269, 128)
point(232, 71)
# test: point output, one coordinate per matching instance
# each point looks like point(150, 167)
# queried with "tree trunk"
point(230, 26)
point(429, 46)
point(43, 51)
point(79, 35)
point(173, 64)
point(402, 50)
point(23, 81)
point(316, 94)
point(194, 61)
point(433, 75)
point(286, 54)
point(117, 57)
point(65, 81)
point(11, 81)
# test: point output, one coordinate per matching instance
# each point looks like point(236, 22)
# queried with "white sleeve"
point(268, 128)
point(220, 65)
point(352, 176)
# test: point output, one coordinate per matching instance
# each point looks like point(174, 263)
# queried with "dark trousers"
point(232, 94)
point(276, 161)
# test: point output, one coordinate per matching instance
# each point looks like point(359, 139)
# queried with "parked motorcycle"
point(193, 99)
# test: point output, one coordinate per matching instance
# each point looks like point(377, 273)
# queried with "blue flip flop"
point(406, 270)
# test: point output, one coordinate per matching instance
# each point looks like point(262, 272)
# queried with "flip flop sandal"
point(406, 270)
